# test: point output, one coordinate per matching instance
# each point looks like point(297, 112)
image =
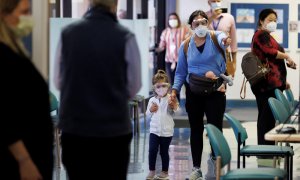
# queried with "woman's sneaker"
point(151, 175)
point(196, 174)
point(162, 175)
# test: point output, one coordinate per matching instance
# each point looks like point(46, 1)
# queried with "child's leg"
point(153, 149)
point(164, 152)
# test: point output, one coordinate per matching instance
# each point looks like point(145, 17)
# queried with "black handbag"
point(201, 85)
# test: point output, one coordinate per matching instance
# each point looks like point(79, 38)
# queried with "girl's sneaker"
point(162, 175)
point(151, 175)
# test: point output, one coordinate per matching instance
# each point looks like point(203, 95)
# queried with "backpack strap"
point(243, 88)
point(214, 38)
point(186, 46)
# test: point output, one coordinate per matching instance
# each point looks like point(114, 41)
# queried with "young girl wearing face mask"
point(160, 109)
point(269, 51)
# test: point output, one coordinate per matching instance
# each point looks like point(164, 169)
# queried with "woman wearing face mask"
point(160, 109)
point(170, 40)
point(202, 56)
point(269, 51)
point(220, 21)
point(26, 140)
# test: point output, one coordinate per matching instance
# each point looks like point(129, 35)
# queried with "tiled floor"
point(180, 155)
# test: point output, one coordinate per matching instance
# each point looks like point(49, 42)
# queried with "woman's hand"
point(173, 103)
point(287, 86)
point(226, 41)
point(290, 63)
point(28, 170)
point(173, 94)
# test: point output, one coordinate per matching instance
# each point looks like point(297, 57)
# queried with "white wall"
point(40, 36)
point(186, 7)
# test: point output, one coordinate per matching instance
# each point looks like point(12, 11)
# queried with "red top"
point(266, 47)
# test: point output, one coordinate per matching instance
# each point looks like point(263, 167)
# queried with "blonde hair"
point(160, 76)
point(6, 35)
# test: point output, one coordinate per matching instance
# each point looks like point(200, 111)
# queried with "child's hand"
point(154, 107)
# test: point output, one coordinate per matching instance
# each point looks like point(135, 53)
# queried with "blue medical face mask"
point(216, 5)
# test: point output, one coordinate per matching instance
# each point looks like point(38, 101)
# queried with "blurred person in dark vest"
point(97, 70)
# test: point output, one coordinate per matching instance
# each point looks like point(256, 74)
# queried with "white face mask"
point(161, 89)
point(201, 31)
point(161, 92)
point(25, 26)
point(215, 5)
point(271, 26)
point(173, 23)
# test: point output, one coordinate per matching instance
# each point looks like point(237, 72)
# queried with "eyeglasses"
point(163, 85)
point(198, 22)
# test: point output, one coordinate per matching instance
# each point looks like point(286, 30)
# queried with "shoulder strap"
point(186, 46)
point(214, 38)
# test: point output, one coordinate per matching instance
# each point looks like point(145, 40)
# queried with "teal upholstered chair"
point(282, 98)
point(256, 150)
point(223, 154)
point(54, 105)
point(290, 97)
point(279, 110)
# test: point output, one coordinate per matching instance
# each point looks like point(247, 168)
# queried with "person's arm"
point(148, 112)
point(232, 34)
point(262, 41)
point(223, 39)
point(162, 44)
point(133, 60)
point(57, 62)
point(27, 168)
point(181, 72)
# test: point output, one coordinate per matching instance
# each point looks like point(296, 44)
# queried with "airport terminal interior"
point(147, 19)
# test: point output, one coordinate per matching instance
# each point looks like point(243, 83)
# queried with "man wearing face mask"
point(26, 135)
point(201, 56)
point(170, 40)
point(219, 21)
point(98, 69)
point(269, 51)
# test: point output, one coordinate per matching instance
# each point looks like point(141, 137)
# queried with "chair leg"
point(57, 142)
point(244, 161)
point(238, 161)
point(138, 119)
point(144, 111)
point(291, 167)
point(218, 168)
point(275, 158)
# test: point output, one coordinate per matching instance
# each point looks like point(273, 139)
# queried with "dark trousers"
point(213, 106)
point(96, 158)
point(265, 120)
point(163, 144)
